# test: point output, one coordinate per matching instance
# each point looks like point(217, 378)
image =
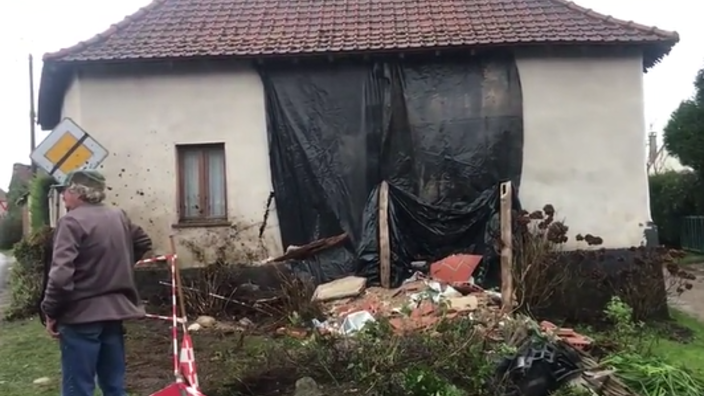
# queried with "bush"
point(452, 360)
point(27, 275)
point(630, 344)
point(537, 244)
point(674, 195)
point(39, 189)
point(684, 132)
point(576, 285)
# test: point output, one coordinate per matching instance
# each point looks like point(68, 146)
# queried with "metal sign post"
point(68, 148)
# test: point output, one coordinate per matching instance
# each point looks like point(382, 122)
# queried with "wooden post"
point(32, 114)
point(384, 243)
point(506, 197)
point(177, 275)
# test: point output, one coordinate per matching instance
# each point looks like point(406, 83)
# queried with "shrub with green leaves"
point(674, 195)
point(684, 132)
point(652, 376)
point(452, 360)
point(26, 276)
point(39, 189)
point(634, 363)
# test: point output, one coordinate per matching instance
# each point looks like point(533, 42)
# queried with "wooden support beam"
point(506, 195)
point(384, 243)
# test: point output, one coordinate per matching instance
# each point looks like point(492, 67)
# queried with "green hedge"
point(38, 200)
point(674, 195)
point(26, 276)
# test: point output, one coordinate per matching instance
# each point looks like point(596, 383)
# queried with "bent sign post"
point(68, 148)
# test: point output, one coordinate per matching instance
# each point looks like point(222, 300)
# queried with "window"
point(201, 175)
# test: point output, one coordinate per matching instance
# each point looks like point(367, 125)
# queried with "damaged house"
point(209, 106)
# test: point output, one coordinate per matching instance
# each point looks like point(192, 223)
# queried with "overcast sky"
point(39, 26)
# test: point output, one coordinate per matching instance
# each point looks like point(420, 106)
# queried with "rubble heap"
point(422, 303)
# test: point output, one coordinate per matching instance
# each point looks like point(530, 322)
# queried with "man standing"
point(90, 289)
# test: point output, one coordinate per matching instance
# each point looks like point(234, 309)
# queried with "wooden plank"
point(300, 252)
point(384, 243)
point(506, 196)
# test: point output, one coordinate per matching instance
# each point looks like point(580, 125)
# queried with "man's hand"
point(51, 328)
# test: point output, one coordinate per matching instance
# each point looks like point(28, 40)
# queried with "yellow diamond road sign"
point(68, 148)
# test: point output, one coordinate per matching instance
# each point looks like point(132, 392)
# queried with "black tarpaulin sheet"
point(443, 134)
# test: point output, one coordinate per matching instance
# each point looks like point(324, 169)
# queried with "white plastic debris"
point(435, 293)
point(353, 323)
point(356, 321)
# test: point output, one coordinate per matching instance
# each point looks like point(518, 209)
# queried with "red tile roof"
point(169, 29)
point(182, 29)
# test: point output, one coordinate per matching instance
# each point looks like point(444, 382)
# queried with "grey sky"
point(40, 26)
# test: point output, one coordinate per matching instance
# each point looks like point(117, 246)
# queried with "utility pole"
point(32, 113)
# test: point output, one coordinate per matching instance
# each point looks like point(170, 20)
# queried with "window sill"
point(202, 224)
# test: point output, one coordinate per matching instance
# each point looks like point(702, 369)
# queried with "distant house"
point(189, 98)
point(21, 176)
point(3, 202)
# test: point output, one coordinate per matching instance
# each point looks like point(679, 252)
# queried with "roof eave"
point(57, 74)
point(656, 52)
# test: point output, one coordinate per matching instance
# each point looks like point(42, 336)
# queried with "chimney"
point(652, 148)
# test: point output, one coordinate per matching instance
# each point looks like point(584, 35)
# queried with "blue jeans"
point(90, 350)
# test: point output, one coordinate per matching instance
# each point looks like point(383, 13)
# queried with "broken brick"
point(457, 268)
point(424, 309)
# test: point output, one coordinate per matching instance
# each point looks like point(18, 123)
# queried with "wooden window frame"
point(203, 149)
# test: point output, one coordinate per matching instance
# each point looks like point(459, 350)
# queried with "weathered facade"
point(174, 122)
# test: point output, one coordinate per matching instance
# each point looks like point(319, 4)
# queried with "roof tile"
point(185, 28)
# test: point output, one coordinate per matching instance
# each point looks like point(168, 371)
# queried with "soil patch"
point(692, 301)
point(221, 357)
point(674, 331)
point(228, 363)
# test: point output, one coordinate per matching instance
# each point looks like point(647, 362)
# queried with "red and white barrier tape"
point(157, 259)
point(184, 362)
point(161, 317)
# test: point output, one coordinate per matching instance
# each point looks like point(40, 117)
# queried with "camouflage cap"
point(85, 177)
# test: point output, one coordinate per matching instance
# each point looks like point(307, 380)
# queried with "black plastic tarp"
point(443, 134)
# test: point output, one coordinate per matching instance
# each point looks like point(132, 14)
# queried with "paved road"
point(4, 266)
point(692, 301)
point(4, 263)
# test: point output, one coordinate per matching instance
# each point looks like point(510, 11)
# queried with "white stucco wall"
point(584, 145)
point(140, 118)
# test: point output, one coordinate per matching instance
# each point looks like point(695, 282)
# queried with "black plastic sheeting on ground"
point(444, 135)
point(539, 368)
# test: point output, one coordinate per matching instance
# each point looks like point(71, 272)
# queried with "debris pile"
point(419, 304)
point(557, 355)
point(530, 353)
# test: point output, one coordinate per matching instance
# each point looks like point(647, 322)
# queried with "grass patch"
point(689, 354)
point(692, 258)
point(27, 354)
point(654, 361)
